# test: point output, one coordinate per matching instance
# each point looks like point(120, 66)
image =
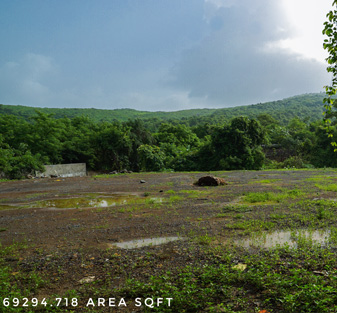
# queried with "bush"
point(292, 162)
point(18, 163)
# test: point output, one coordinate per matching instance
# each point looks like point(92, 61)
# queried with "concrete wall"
point(64, 170)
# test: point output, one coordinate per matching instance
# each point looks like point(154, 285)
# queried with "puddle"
point(93, 202)
point(75, 203)
point(289, 238)
point(85, 202)
point(139, 243)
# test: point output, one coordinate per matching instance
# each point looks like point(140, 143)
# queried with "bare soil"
point(68, 244)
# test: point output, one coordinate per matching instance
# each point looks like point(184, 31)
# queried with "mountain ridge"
point(303, 106)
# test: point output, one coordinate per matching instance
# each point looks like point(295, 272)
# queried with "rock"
point(113, 172)
point(210, 181)
point(240, 267)
point(86, 280)
point(142, 181)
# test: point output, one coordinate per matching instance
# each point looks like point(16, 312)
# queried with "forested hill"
point(304, 106)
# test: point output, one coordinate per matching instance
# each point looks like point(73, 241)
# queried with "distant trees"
point(239, 144)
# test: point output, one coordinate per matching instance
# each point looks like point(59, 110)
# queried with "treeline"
point(308, 105)
point(241, 143)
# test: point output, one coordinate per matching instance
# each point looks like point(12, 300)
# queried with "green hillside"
point(303, 106)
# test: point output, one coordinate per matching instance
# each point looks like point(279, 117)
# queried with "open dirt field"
point(67, 229)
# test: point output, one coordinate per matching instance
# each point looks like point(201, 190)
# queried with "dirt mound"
point(210, 181)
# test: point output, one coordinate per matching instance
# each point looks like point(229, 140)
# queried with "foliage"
point(18, 163)
point(237, 145)
point(330, 44)
point(241, 143)
point(307, 105)
point(151, 158)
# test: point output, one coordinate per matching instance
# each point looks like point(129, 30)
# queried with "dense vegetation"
point(309, 105)
point(215, 143)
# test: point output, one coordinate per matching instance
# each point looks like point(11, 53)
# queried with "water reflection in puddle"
point(83, 202)
point(288, 238)
point(139, 243)
point(93, 202)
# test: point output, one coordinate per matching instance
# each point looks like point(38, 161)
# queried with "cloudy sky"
point(160, 54)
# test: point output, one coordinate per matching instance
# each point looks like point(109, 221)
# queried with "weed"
point(240, 208)
point(277, 216)
point(175, 198)
point(327, 187)
point(171, 192)
point(238, 216)
point(191, 192)
point(204, 239)
point(321, 213)
point(221, 215)
point(150, 201)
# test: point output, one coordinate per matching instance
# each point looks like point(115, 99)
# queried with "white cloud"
point(306, 17)
point(244, 62)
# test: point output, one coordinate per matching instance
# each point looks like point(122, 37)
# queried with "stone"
point(87, 280)
point(142, 181)
point(210, 181)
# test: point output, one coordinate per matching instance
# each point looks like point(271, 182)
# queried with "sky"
point(160, 55)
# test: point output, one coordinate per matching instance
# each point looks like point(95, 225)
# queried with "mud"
point(77, 223)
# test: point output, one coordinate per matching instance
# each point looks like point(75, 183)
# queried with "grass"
point(265, 181)
point(320, 178)
point(286, 280)
point(170, 192)
point(239, 208)
point(16, 285)
point(327, 187)
point(175, 198)
point(254, 197)
point(300, 280)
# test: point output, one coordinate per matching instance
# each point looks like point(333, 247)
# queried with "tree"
point(180, 135)
point(77, 141)
point(151, 158)
point(139, 135)
point(234, 146)
point(45, 137)
point(18, 163)
point(330, 44)
point(177, 142)
point(112, 146)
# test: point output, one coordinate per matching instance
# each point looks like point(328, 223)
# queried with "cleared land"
point(58, 240)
